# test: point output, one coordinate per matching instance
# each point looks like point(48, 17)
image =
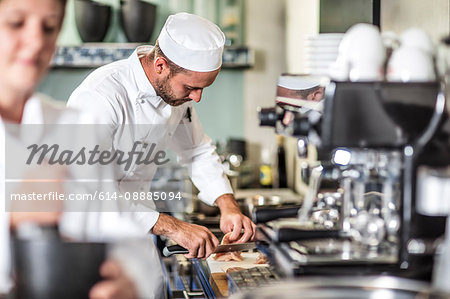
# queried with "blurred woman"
point(28, 33)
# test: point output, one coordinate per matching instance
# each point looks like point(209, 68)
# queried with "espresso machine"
point(377, 141)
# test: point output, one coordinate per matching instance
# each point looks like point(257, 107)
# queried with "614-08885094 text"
point(150, 195)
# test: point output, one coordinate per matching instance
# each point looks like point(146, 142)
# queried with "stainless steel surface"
point(314, 185)
point(335, 251)
point(433, 191)
point(249, 199)
point(385, 287)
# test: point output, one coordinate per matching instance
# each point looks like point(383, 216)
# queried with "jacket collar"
point(145, 90)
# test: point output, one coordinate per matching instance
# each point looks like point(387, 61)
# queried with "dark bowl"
point(138, 20)
point(92, 20)
point(49, 268)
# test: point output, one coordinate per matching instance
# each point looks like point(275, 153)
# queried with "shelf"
point(98, 54)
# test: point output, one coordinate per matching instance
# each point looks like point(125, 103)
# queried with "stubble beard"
point(165, 92)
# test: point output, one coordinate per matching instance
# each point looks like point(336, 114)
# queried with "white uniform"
point(108, 226)
point(36, 111)
point(121, 94)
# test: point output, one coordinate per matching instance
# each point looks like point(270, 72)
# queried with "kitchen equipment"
point(47, 267)
point(177, 249)
point(433, 190)
point(92, 20)
point(266, 214)
point(138, 20)
point(372, 139)
point(252, 278)
point(250, 199)
point(342, 287)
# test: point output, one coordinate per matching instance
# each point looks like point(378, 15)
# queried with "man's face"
point(177, 89)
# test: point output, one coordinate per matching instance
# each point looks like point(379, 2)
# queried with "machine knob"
point(268, 116)
point(301, 126)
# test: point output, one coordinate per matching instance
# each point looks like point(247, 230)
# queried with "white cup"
point(410, 65)
point(339, 70)
point(365, 44)
point(419, 39)
point(366, 71)
point(361, 54)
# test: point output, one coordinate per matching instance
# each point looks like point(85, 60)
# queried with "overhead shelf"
point(97, 54)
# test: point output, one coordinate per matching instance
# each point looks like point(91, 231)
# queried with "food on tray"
point(261, 259)
point(228, 256)
point(234, 269)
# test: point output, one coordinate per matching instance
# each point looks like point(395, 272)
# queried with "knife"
point(177, 249)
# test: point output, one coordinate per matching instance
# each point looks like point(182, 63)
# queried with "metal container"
point(433, 191)
point(138, 19)
point(249, 199)
point(92, 20)
point(46, 267)
point(248, 204)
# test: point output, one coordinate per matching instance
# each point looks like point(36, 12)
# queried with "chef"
point(148, 99)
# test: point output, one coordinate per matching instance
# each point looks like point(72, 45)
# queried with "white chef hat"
point(298, 82)
point(192, 42)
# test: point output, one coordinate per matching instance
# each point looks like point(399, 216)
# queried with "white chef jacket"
point(36, 111)
point(109, 226)
point(121, 94)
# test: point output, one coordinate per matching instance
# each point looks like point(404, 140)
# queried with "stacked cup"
point(413, 61)
point(361, 55)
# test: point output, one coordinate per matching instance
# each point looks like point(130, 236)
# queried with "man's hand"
point(116, 284)
point(199, 240)
point(232, 219)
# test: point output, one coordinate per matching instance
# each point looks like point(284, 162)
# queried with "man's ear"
point(160, 65)
point(318, 95)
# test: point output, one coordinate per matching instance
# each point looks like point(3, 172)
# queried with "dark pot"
point(138, 20)
point(92, 20)
point(49, 268)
